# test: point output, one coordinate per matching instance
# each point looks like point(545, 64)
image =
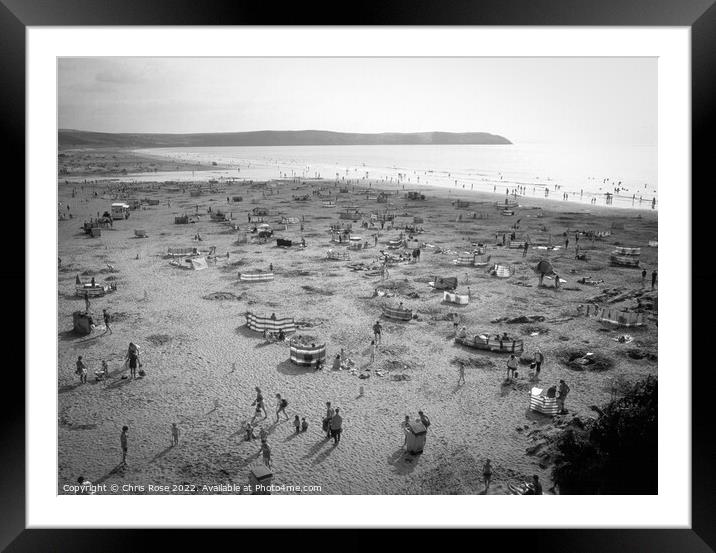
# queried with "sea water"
point(582, 173)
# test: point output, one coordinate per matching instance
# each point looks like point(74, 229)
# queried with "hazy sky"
point(551, 100)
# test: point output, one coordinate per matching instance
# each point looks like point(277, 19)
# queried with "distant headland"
point(68, 138)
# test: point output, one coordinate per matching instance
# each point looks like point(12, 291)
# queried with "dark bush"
point(615, 453)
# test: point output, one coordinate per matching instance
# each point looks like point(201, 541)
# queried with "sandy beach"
point(202, 362)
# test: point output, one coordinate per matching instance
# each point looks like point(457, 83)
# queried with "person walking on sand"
point(304, 424)
point(563, 390)
point(487, 474)
point(123, 443)
point(175, 434)
point(524, 250)
point(372, 351)
point(653, 279)
point(461, 374)
point(511, 367)
point(377, 328)
point(330, 412)
point(106, 317)
point(87, 302)
point(643, 277)
point(566, 243)
point(336, 427)
point(281, 405)
point(81, 370)
point(297, 424)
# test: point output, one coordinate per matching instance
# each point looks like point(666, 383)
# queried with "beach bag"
point(325, 425)
point(142, 373)
point(284, 403)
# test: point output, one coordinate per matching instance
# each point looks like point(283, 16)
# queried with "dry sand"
point(190, 344)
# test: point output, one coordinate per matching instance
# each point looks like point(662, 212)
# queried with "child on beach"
point(133, 359)
point(461, 371)
point(81, 370)
point(304, 424)
point(175, 434)
point(405, 426)
point(266, 452)
point(377, 328)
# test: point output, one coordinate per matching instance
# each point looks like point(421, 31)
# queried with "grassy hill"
point(68, 138)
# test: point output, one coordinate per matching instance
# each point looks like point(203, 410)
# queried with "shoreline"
point(177, 168)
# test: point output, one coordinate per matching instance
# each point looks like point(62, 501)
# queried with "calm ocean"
point(583, 173)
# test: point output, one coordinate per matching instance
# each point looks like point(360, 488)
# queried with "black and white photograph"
point(357, 275)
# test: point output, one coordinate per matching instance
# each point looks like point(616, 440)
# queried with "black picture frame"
point(699, 15)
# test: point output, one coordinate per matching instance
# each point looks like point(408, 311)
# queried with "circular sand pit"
point(583, 360)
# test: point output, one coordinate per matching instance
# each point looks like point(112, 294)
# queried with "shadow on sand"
point(119, 469)
point(291, 369)
point(68, 387)
point(403, 462)
point(162, 453)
